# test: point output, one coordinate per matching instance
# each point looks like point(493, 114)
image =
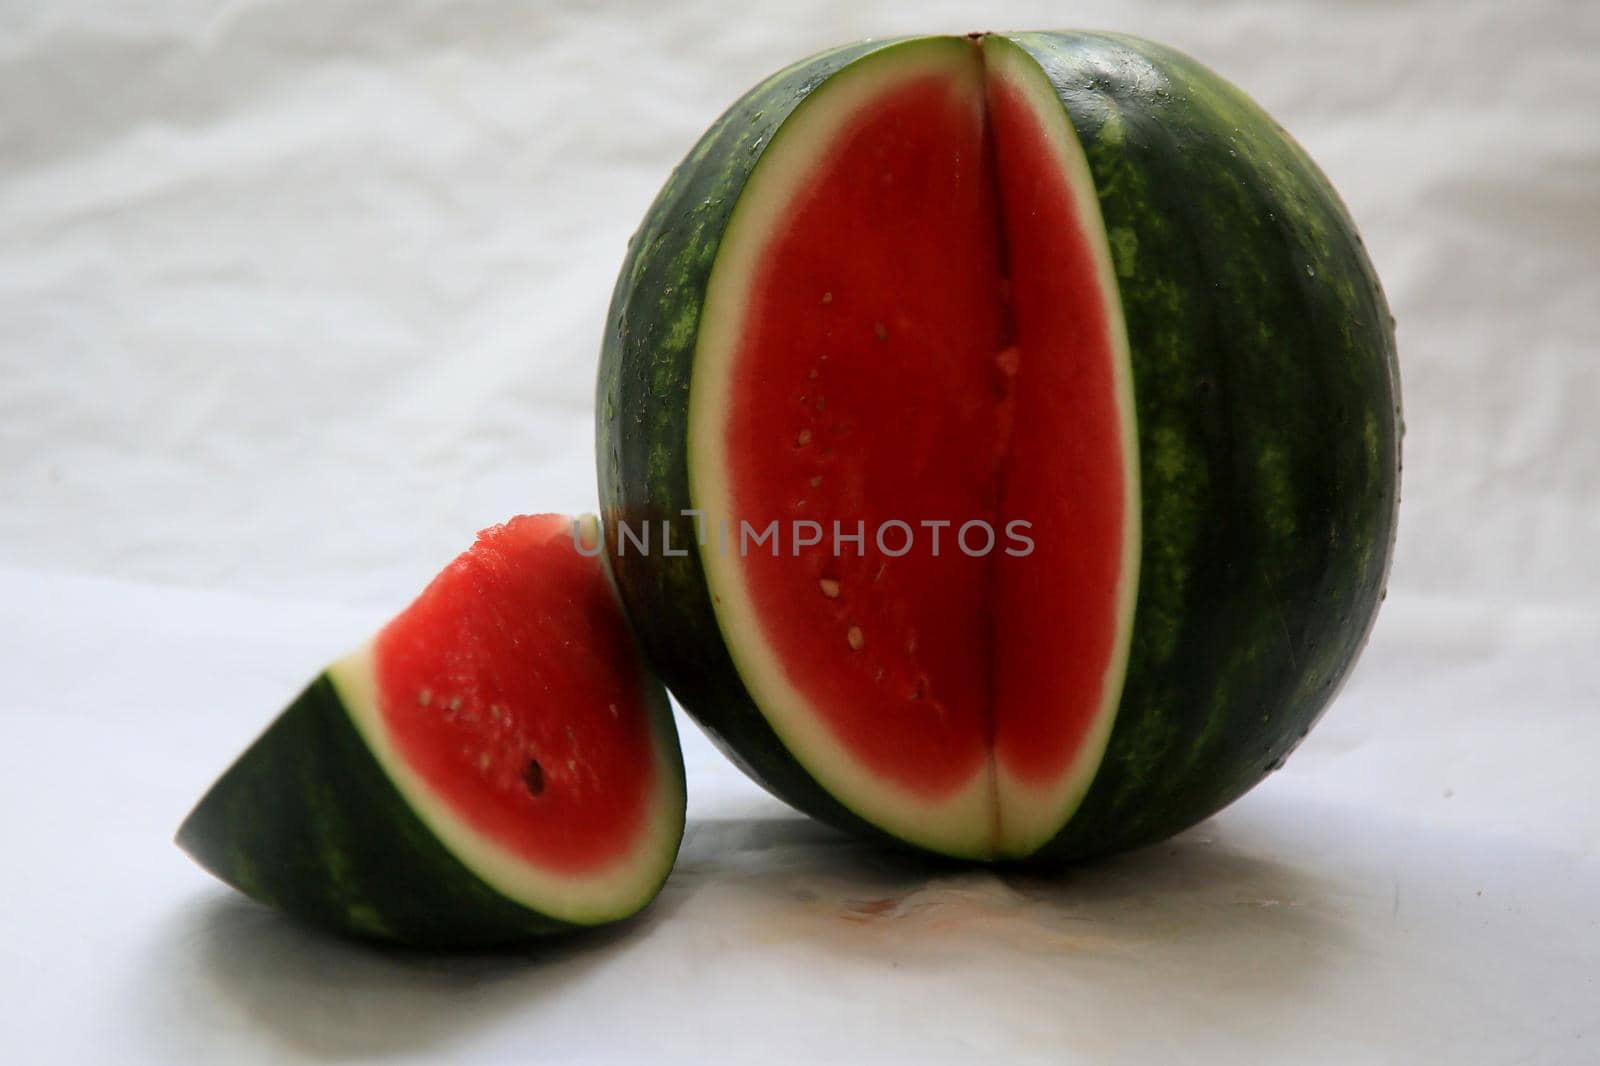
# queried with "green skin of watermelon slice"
point(1073, 280)
point(496, 764)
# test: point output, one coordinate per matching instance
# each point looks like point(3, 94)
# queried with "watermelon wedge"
point(1017, 422)
point(497, 763)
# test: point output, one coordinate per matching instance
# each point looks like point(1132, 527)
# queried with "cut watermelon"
point(496, 763)
point(1040, 450)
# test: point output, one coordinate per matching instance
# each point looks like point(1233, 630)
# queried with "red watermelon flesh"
point(1055, 610)
point(899, 214)
point(512, 689)
point(926, 251)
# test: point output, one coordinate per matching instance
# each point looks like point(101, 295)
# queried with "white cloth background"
point(296, 295)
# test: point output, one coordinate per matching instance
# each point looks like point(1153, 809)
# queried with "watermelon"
point(497, 763)
point(998, 441)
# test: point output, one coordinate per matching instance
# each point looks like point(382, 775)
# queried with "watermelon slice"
point(1029, 408)
point(496, 763)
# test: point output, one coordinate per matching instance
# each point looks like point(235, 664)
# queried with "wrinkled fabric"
point(295, 296)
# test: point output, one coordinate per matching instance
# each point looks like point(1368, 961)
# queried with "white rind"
point(615, 890)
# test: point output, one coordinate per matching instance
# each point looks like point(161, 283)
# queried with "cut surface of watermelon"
point(912, 338)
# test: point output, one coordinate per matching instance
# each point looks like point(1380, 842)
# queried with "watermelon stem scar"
point(949, 287)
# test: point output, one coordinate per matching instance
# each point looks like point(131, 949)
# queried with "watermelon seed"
point(483, 760)
point(880, 331)
point(494, 712)
point(811, 375)
point(424, 697)
point(815, 482)
point(612, 707)
point(855, 639)
point(819, 403)
point(455, 703)
point(827, 297)
point(803, 439)
point(533, 777)
point(830, 588)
